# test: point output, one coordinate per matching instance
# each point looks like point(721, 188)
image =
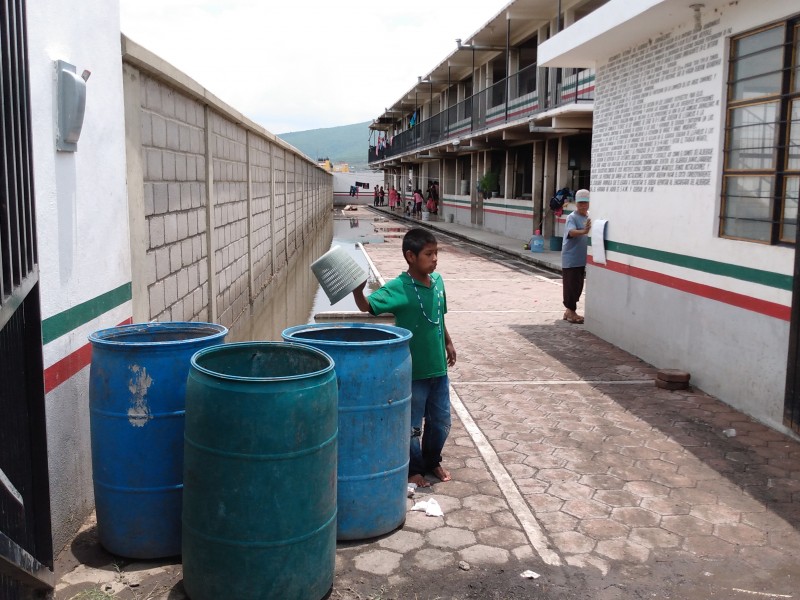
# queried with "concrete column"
point(213, 284)
point(274, 246)
point(562, 171)
point(508, 175)
point(537, 187)
point(298, 231)
point(548, 184)
point(250, 266)
point(541, 72)
point(140, 300)
point(286, 209)
point(473, 185)
point(513, 69)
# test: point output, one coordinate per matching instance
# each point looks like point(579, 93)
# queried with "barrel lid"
point(158, 334)
point(242, 359)
point(339, 334)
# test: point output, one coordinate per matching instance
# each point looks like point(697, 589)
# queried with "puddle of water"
point(296, 299)
point(347, 232)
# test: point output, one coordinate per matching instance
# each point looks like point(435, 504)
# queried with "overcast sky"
point(292, 65)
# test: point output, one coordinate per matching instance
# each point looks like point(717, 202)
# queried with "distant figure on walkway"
point(573, 255)
point(431, 204)
point(375, 195)
point(417, 300)
point(381, 197)
point(392, 198)
point(418, 200)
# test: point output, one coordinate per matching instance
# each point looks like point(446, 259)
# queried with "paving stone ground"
point(566, 461)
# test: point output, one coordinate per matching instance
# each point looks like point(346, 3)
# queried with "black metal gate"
point(26, 552)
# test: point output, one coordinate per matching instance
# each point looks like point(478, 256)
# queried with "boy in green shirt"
point(417, 300)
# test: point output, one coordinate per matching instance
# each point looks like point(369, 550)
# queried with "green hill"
point(346, 143)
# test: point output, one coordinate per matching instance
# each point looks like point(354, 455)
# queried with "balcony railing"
point(489, 108)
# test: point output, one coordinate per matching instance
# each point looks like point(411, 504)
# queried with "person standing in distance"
point(573, 255)
point(417, 300)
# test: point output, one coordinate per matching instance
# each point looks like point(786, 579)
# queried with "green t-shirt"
point(402, 297)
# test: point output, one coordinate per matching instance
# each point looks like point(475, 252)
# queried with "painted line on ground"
point(564, 382)
point(371, 264)
point(512, 495)
point(483, 312)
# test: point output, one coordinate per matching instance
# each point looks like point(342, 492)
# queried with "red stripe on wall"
point(59, 372)
point(454, 205)
point(764, 307)
point(508, 213)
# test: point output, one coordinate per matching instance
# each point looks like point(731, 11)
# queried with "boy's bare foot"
point(419, 480)
point(442, 473)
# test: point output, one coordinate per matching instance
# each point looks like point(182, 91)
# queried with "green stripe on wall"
point(64, 322)
point(508, 206)
point(457, 201)
point(768, 278)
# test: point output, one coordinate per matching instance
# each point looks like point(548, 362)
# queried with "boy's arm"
point(449, 348)
point(575, 232)
point(361, 301)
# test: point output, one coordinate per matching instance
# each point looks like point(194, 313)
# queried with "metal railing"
point(489, 108)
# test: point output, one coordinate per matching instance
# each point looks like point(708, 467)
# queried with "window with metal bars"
point(761, 176)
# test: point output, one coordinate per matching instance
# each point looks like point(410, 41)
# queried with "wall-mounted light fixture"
point(71, 105)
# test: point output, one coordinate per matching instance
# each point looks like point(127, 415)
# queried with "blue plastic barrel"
point(373, 366)
point(259, 502)
point(137, 388)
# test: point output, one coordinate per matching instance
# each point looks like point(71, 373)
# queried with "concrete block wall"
point(174, 187)
point(281, 218)
point(218, 206)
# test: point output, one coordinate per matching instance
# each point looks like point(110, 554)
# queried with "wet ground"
point(568, 465)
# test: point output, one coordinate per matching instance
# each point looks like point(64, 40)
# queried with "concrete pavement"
point(567, 461)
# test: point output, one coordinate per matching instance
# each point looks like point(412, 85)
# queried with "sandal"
point(576, 320)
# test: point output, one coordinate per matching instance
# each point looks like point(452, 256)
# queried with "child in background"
point(418, 199)
point(417, 300)
point(430, 204)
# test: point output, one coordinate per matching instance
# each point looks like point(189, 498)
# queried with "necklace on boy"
point(438, 322)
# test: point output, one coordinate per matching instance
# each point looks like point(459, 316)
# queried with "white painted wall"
point(82, 221)
point(735, 354)
point(343, 181)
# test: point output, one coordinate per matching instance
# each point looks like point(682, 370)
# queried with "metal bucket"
point(259, 507)
point(338, 274)
point(137, 387)
point(373, 366)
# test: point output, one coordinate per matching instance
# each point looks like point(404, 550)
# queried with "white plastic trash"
point(338, 274)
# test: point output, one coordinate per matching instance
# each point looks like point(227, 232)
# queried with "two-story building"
point(490, 107)
point(683, 119)
point(696, 168)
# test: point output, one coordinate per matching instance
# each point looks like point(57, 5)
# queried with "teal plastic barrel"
point(259, 503)
point(373, 366)
point(137, 386)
